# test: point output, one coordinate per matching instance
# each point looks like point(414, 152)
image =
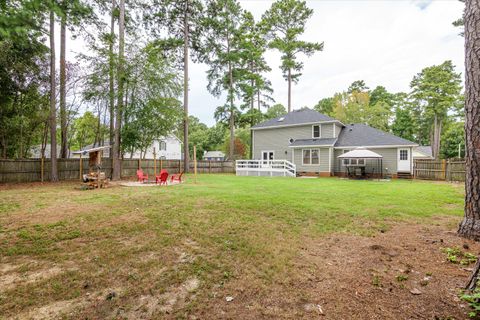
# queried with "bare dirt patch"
point(399, 274)
point(163, 304)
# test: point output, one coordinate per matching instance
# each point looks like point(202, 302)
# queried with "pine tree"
point(284, 23)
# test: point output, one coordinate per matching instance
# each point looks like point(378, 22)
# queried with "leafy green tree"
point(250, 118)
point(359, 86)
point(380, 94)
point(24, 77)
point(153, 107)
point(219, 47)
point(453, 141)
point(436, 92)
point(325, 106)
point(275, 111)
point(284, 23)
point(404, 124)
point(255, 88)
point(180, 18)
point(355, 107)
point(84, 130)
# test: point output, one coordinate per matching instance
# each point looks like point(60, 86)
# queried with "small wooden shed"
point(95, 178)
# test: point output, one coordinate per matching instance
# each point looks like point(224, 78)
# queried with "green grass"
point(237, 227)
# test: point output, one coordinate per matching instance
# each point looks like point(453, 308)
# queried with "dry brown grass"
point(280, 250)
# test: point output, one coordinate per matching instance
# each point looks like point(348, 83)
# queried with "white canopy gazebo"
point(361, 162)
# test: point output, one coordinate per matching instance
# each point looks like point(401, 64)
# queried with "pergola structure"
point(362, 163)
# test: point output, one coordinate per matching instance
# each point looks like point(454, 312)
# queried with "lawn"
point(182, 251)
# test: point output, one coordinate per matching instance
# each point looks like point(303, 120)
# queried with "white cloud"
point(383, 42)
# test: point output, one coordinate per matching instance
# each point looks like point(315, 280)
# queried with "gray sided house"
point(313, 142)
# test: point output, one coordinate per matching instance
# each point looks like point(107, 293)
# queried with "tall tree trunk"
point(4, 146)
point(63, 89)
point(470, 226)
point(53, 111)
point(118, 120)
point(232, 111)
point(111, 80)
point(186, 153)
point(289, 90)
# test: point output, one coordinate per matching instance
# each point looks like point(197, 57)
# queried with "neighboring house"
point(214, 156)
point(313, 142)
point(167, 148)
point(423, 152)
point(36, 151)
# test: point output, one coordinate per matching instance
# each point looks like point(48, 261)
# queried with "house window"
point(163, 145)
point(311, 156)
point(316, 131)
point(315, 156)
point(403, 154)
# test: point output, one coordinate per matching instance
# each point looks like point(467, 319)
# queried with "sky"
point(383, 42)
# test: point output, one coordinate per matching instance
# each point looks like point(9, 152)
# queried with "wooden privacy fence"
point(30, 170)
point(447, 170)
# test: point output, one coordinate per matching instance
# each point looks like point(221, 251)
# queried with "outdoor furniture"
point(162, 177)
point(176, 177)
point(141, 176)
point(361, 163)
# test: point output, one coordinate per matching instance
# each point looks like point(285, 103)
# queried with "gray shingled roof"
point(357, 135)
point(313, 142)
point(426, 150)
point(295, 117)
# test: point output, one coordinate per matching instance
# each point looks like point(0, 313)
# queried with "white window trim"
point(310, 164)
point(272, 151)
point(319, 131)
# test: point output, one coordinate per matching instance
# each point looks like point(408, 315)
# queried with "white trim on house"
point(312, 146)
point(330, 159)
point(379, 147)
point(298, 124)
point(319, 131)
point(293, 155)
point(334, 131)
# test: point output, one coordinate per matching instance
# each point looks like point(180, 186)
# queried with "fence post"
point(444, 169)
point(154, 162)
point(42, 168)
point(81, 168)
point(209, 166)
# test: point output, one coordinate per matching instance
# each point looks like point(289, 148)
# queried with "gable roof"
point(296, 117)
point(426, 150)
point(358, 135)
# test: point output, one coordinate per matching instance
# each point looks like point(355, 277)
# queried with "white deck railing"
point(265, 168)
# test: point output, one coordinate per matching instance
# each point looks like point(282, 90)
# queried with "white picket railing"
point(265, 168)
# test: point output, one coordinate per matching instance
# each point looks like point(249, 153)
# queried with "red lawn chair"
point(162, 177)
point(176, 177)
point(141, 176)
